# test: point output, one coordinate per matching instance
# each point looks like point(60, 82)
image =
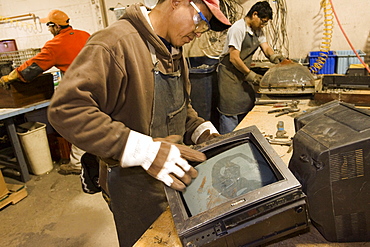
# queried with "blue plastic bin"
point(346, 58)
point(330, 63)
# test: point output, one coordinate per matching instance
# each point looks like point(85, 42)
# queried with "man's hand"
point(206, 136)
point(253, 78)
point(171, 166)
point(163, 158)
point(7, 79)
point(4, 82)
point(276, 58)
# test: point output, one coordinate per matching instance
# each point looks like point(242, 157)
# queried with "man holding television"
point(127, 102)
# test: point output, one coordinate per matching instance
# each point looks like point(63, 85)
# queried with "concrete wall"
point(304, 23)
point(304, 26)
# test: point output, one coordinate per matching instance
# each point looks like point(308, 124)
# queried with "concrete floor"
point(57, 213)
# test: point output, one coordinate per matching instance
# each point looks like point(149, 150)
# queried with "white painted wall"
point(110, 4)
point(305, 26)
point(304, 22)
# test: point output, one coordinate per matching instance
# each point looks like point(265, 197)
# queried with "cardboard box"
point(21, 94)
point(3, 188)
point(16, 193)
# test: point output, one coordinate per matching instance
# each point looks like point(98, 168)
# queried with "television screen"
point(226, 176)
point(241, 187)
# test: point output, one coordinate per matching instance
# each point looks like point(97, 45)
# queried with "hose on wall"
point(327, 36)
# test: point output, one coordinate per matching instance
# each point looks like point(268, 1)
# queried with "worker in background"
point(127, 102)
point(236, 80)
point(58, 52)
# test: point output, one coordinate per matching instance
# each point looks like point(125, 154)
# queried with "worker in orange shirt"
point(59, 52)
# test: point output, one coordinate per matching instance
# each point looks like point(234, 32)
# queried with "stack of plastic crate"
point(326, 61)
point(18, 57)
point(346, 58)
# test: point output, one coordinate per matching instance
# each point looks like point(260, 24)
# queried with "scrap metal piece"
point(287, 78)
point(280, 142)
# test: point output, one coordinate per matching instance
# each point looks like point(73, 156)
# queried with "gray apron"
point(236, 95)
point(136, 198)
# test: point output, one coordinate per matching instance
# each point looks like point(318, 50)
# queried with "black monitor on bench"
point(242, 186)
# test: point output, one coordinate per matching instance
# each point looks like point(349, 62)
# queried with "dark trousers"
point(136, 200)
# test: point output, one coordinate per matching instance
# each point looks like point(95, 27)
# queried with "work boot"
point(67, 169)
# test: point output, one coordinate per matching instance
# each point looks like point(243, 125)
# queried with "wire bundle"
point(215, 40)
point(276, 30)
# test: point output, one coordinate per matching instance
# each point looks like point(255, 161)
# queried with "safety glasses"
point(264, 22)
point(201, 23)
point(50, 24)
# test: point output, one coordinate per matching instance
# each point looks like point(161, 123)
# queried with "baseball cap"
point(219, 22)
point(57, 17)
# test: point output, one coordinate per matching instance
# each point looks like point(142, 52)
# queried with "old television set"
point(331, 159)
point(244, 195)
point(312, 113)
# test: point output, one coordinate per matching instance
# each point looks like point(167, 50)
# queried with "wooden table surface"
point(163, 232)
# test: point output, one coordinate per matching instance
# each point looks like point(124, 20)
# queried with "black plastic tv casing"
point(240, 221)
point(331, 159)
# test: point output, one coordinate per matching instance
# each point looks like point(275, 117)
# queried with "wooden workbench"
point(267, 124)
point(163, 232)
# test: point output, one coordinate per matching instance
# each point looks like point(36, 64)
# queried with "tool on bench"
point(288, 143)
point(292, 103)
point(285, 110)
point(280, 133)
point(279, 142)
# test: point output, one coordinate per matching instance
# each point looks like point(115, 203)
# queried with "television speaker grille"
point(347, 165)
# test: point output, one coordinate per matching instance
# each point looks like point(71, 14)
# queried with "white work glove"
point(162, 158)
point(276, 58)
point(253, 78)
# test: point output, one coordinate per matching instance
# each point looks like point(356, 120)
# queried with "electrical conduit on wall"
point(349, 42)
